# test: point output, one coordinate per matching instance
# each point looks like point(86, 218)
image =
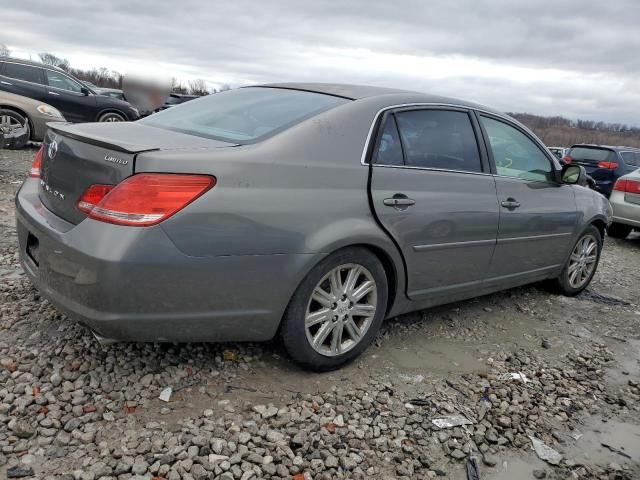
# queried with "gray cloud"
point(571, 58)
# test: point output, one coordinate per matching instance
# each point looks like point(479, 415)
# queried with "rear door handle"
point(5, 83)
point(54, 93)
point(510, 203)
point(399, 201)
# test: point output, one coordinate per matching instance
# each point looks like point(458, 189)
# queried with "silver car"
point(625, 200)
point(308, 211)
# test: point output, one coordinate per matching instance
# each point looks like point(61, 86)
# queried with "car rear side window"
point(388, 148)
point(244, 115)
point(22, 72)
point(440, 139)
point(515, 154)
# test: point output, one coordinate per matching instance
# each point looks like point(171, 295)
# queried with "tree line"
point(563, 132)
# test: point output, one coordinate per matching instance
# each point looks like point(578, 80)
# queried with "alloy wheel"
point(582, 261)
point(9, 124)
point(341, 309)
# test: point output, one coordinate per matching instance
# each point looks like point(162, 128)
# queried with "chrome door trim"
point(470, 243)
point(420, 104)
point(533, 237)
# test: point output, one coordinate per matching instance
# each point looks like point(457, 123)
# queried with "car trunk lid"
point(77, 156)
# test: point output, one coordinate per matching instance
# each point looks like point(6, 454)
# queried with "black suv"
point(605, 164)
point(54, 86)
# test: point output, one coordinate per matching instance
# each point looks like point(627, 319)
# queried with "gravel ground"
point(73, 409)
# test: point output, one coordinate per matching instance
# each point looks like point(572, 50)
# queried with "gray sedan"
point(308, 211)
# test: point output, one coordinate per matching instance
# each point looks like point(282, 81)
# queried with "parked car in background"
point(176, 99)
point(23, 119)
point(243, 219)
point(559, 152)
point(604, 163)
point(54, 86)
point(111, 92)
point(625, 201)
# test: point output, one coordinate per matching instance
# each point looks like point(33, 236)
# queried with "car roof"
point(30, 63)
point(358, 92)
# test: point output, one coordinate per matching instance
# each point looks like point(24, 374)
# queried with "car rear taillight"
point(92, 196)
point(567, 159)
point(608, 165)
point(143, 199)
point(627, 186)
point(36, 165)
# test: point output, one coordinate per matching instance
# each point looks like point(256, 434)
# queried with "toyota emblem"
point(53, 149)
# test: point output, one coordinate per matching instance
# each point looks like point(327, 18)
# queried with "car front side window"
point(58, 80)
point(515, 154)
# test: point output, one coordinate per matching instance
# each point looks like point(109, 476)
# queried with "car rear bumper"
point(133, 284)
point(624, 212)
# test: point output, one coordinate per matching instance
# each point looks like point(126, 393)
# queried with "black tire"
point(16, 136)
point(293, 331)
point(112, 117)
point(562, 284)
point(618, 230)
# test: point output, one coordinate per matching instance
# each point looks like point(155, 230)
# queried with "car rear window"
point(245, 115)
point(595, 154)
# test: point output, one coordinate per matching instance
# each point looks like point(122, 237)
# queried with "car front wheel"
point(112, 117)
point(336, 311)
point(582, 263)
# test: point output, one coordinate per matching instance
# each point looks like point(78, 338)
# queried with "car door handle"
point(5, 83)
point(399, 201)
point(54, 93)
point(510, 203)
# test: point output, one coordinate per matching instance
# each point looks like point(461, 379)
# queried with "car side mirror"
point(574, 175)
point(85, 91)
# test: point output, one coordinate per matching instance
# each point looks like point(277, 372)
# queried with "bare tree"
point(4, 50)
point(53, 60)
point(177, 87)
point(224, 87)
point(198, 87)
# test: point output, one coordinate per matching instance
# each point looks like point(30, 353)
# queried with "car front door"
point(538, 214)
point(67, 95)
point(432, 191)
point(20, 79)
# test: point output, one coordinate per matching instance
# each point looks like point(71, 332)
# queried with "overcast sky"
point(574, 58)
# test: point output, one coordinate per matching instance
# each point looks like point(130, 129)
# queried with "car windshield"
point(595, 154)
point(245, 115)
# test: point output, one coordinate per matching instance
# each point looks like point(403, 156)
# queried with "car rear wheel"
point(15, 129)
point(582, 263)
point(112, 117)
point(336, 311)
point(618, 230)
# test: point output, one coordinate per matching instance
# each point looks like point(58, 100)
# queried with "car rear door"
point(538, 214)
point(432, 191)
point(67, 95)
point(20, 79)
